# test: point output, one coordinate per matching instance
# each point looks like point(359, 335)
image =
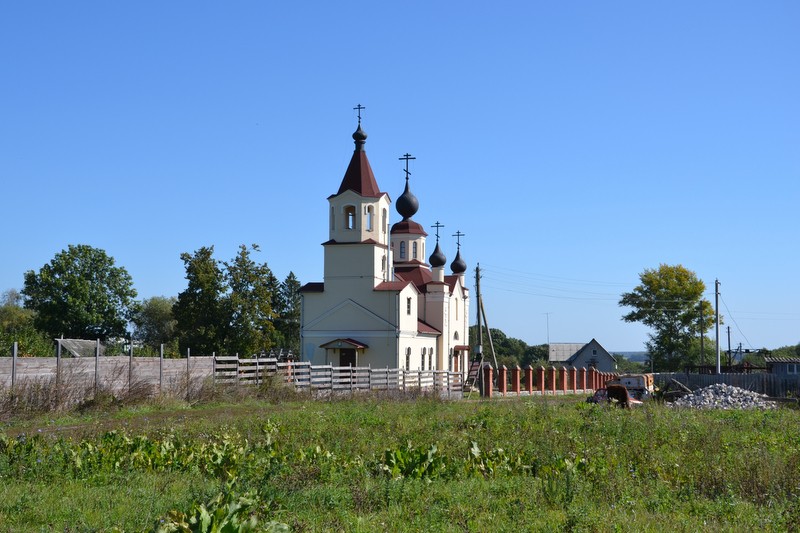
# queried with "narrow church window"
point(384, 222)
point(402, 249)
point(408, 306)
point(383, 264)
point(370, 217)
point(408, 358)
point(456, 308)
point(455, 336)
point(450, 361)
point(430, 359)
point(414, 250)
point(423, 359)
point(350, 217)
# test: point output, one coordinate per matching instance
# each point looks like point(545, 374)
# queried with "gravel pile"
point(721, 396)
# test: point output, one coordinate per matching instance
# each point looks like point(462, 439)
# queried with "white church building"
point(381, 304)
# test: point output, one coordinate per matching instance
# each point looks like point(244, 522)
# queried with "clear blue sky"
point(575, 144)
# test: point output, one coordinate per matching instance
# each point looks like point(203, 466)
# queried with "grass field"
point(280, 461)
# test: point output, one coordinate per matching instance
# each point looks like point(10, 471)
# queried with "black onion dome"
point(437, 258)
point(458, 266)
point(360, 137)
point(407, 204)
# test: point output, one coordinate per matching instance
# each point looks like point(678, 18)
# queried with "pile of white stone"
point(721, 396)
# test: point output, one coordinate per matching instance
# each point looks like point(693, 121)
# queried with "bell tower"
point(358, 225)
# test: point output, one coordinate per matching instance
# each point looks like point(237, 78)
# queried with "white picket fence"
point(305, 376)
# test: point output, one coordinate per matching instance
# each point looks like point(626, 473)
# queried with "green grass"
point(371, 464)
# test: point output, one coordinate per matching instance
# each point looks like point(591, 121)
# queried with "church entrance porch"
point(347, 357)
point(345, 352)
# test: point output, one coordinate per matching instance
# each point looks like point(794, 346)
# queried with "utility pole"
point(716, 312)
point(479, 347)
point(548, 328)
point(729, 346)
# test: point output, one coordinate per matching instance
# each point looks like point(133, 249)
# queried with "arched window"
point(408, 306)
point(455, 336)
point(423, 359)
point(408, 358)
point(383, 264)
point(370, 217)
point(414, 250)
point(402, 249)
point(384, 222)
point(430, 359)
point(350, 217)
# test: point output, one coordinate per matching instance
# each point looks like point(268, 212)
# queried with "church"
point(380, 303)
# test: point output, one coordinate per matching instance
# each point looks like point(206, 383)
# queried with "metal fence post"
point(130, 365)
point(161, 369)
point(96, 364)
point(14, 348)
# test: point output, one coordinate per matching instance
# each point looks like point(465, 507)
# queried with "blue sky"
point(575, 144)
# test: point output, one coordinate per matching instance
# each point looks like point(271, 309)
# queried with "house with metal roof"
point(589, 355)
point(381, 304)
point(786, 366)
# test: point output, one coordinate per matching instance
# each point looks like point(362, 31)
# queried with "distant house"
point(589, 355)
point(786, 366)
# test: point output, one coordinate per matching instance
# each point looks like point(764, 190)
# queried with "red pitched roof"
point(424, 327)
point(408, 226)
point(359, 177)
point(391, 286)
point(417, 274)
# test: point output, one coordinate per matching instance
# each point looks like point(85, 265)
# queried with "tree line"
point(235, 306)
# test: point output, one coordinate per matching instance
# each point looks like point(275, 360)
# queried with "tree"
point(199, 311)
point(670, 300)
point(16, 325)
point(249, 304)
point(288, 321)
point(80, 294)
point(155, 323)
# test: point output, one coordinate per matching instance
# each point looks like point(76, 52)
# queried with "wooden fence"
point(335, 379)
point(774, 385)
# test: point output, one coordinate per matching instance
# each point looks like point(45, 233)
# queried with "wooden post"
point(529, 378)
point(257, 371)
point(487, 381)
point(14, 349)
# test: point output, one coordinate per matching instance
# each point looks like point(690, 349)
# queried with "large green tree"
point(199, 310)
point(248, 304)
point(155, 323)
point(670, 301)
point(288, 319)
point(80, 294)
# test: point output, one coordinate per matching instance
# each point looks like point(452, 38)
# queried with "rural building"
point(589, 355)
point(786, 366)
point(381, 304)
